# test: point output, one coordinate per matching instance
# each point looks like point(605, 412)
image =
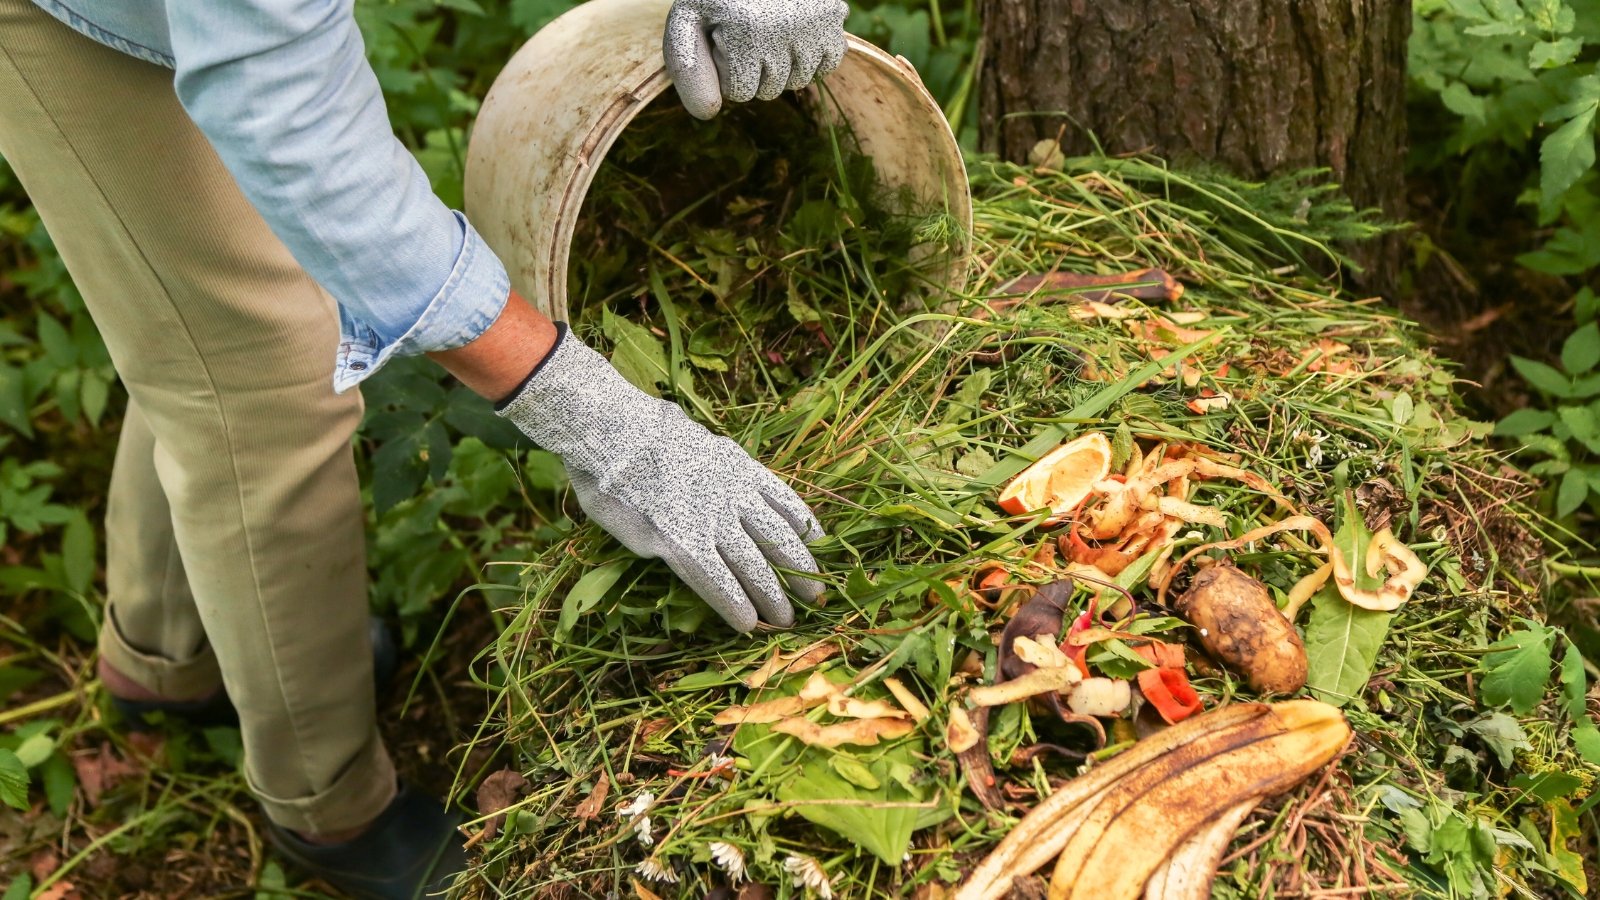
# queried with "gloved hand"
point(758, 47)
point(666, 487)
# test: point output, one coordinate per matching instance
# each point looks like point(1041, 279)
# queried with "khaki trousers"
point(234, 528)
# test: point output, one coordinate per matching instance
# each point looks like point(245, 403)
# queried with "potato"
point(1100, 697)
point(1241, 627)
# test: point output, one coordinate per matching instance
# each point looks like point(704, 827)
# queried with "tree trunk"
point(1257, 86)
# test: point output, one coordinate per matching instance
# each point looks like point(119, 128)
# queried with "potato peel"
point(1040, 681)
point(1044, 654)
point(858, 732)
point(817, 690)
point(851, 708)
point(960, 735)
point(907, 700)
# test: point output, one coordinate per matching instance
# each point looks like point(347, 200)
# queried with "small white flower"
point(637, 805)
point(729, 858)
point(806, 872)
point(654, 869)
point(641, 827)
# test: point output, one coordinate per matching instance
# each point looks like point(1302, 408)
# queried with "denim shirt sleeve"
point(283, 91)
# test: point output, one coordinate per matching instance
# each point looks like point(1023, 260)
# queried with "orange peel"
point(1061, 479)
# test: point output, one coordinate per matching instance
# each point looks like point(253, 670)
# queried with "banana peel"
point(1116, 827)
point(1188, 873)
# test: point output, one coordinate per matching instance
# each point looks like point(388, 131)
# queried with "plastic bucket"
point(560, 103)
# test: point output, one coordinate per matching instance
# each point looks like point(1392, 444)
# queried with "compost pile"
point(1072, 514)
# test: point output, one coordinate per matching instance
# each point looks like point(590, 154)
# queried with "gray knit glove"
point(666, 487)
point(736, 50)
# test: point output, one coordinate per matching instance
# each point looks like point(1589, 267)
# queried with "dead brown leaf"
point(497, 792)
point(801, 660)
point(100, 770)
point(591, 806)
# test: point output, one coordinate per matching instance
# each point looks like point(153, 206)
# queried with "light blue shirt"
point(283, 91)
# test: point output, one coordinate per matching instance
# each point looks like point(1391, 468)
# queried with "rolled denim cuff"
point(471, 299)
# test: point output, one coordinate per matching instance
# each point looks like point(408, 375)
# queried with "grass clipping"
point(776, 305)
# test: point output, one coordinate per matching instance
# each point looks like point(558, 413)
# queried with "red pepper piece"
point(1169, 691)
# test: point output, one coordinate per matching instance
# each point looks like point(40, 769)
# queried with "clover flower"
point(728, 858)
point(806, 872)
point(653, 869)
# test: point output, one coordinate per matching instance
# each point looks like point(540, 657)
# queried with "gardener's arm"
point(656, 480)
point(285, 95)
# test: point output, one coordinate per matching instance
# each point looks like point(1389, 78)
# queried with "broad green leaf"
point(1551, 54)
point(1342, 642)
point(13, 404)
point(1564, 831)
point(1542, 377)
point(1502, 734)
point(1565, 155)
point(1585, 305)
point(13, 781)
point(1573, 491)
point(35, 749)
point(1517, 668)
point(1459, 99)
point(1342, 639)
point(1574, 689)
point(699, 681)
point(637, 354)
point(1524, 421)
point(77, 552)
point(19, 889)
point(58, 346)
point(59, 781)
point(1581, 350)
point(1584, 424)
point(544, 471)
point(857, 813)
point(1547, 785)
point(589, 590)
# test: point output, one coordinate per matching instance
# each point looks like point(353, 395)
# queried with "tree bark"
point(1256, 86)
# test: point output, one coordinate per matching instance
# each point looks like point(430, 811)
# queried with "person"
point(222, 182)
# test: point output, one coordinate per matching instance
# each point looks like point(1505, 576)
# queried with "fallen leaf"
point(61, 890)
point(801, 660)
point(497, 792)
point(642, 892)
point(590, 808)
point(44, 863)
point(100, 770)
point(861, 732)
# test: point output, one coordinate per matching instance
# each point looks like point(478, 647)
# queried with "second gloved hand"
point(666, 487)
point(738, 50)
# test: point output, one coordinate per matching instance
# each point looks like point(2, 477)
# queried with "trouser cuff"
point(357, 796)
point(187, 679)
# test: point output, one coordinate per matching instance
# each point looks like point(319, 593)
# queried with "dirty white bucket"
point(559, 105)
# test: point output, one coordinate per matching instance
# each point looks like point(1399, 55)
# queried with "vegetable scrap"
point(1111, 830)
